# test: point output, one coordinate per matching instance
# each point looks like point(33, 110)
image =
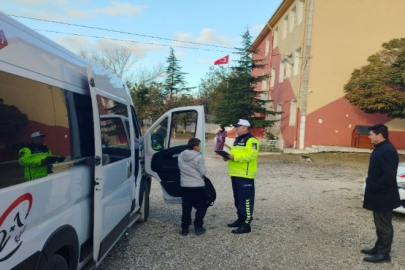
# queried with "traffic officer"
point(33, 157)
point(242, 170)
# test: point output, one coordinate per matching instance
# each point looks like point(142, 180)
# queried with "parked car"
point(401, 187)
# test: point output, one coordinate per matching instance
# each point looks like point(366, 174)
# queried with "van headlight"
point(401, 185)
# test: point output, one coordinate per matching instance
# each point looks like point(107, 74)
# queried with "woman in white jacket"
point(192, 172)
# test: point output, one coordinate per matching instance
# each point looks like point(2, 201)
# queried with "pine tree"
point(239, 98)
point(175, 80)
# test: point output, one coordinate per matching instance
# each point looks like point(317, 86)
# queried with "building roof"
point(362, 130)
point(271, 22)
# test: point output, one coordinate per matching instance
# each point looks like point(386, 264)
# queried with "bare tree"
point(118, 60)
point(145, 75)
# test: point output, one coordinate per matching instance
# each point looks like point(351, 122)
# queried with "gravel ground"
point(308, 215)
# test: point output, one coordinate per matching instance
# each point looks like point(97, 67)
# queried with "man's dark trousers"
point(193, 196)
point(244, 197)
point(384, 230)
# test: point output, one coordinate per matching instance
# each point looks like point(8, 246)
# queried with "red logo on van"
point(12, 225)
point(3, 40)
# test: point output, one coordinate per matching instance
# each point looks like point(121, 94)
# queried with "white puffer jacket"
point(192, 169)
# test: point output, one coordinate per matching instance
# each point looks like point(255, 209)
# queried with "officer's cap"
point(242, 122)
point(37, 134)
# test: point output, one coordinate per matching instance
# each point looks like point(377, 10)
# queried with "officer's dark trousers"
point(193, 196)
point(244, 197)
point(384, 230)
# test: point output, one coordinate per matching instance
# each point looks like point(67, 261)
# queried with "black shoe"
point(184, 232)
point(199, 230)
point(369, 251)
point(376, 258)
point(242, 229)
point(236, 223)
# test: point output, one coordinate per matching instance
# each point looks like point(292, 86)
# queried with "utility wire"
point(123, 32)
point(148, 43)
point(133, 41)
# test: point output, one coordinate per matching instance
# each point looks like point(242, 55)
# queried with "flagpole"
point(227, 73)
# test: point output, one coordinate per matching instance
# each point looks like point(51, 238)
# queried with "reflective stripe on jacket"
point(31, 160)
point(245, 151)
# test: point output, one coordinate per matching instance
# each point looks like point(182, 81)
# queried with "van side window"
point(158, 137)
point(114, 127)
point(81, 121)
point(183, 127)
point(34, 124)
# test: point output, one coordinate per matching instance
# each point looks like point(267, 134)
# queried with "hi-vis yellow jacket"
point(30, 157)
point(245, 151)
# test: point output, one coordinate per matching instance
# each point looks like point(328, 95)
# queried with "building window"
point(300, 11)
point(275, 37)
point(264, 84)
point(263, 98)
point(297, 58)
point(272, 76)
point(280, 110)
point(291, 23)
point(267, 49)
point(293, 112)
point(288, 66)
point(281, 72)
point(285, 26)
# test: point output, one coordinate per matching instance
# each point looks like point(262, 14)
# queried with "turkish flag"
point(3, 40)
point(222, 61)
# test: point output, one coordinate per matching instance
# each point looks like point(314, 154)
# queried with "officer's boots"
point(244, 228)
point(236, 223)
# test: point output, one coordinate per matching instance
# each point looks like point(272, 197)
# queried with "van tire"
point(57, 262)
point(145, 202)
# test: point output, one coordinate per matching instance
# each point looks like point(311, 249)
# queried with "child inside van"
point(192, 172)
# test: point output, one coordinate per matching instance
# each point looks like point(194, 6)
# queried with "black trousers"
point(384, 230)
point(244, 197)
point(193, 197)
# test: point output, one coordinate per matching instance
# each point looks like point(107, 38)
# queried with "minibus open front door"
point(165, 140)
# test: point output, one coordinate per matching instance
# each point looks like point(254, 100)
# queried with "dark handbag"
point(210, 193)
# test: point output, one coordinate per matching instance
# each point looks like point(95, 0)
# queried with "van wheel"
point(57, 262)
point(145, 203)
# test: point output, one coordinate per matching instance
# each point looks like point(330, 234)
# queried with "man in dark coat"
point(381, 194)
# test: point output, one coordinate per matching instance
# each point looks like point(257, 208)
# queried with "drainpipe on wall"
point(271, 60)
point(305, 76)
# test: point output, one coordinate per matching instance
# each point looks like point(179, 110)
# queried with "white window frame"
point(272, 76)
point(263, 97)
point(288, 66)
point(293, 112)
point(267, 49)
point(281, 72)
point(264, 84)
point(285, 27)
point(300, 11)
point(279, 109)
point(291, 16)
point(297, 61)
point(275, 37)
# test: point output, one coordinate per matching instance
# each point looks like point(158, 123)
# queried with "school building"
point(310, 48)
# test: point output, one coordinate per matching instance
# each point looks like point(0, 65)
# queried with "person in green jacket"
point(33, 157)
point(242, 168)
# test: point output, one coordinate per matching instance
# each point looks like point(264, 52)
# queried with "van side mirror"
point(157, 142)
